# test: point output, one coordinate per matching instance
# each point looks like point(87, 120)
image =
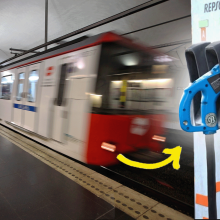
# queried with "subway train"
point(91, 98)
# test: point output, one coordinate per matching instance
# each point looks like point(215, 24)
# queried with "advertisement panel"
point(205, 21)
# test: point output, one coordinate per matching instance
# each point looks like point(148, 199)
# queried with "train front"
point(133, 92)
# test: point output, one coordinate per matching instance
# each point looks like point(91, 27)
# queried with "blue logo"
point(26, 107)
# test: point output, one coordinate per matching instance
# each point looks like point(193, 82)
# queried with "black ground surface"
point(178, 184)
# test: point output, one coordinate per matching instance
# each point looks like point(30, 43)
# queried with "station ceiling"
point(23, 22)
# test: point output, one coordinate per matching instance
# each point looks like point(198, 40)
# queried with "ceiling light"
point(164, 58)
point(33, 78)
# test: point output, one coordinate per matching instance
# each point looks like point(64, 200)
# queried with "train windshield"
point(130, 81)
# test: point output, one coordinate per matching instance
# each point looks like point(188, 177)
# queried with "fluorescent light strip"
point(92, 94)
point(149, 80)
point(137, 81)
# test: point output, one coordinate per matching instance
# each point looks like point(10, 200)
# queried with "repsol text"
point(212, 6)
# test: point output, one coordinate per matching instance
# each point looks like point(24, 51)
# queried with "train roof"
point(77, 44)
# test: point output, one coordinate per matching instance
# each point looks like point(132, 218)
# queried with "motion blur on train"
point(90, 98)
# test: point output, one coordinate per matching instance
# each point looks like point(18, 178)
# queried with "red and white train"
point(90, 99)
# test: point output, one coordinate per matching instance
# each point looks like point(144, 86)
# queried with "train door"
point(19, 95)
point(76, 81)
point(79, 108)
point(81, 95)
point(60, 108)
point(25, 96)
point(30, 97)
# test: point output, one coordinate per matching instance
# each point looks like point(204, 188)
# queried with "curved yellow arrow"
point(174, 157)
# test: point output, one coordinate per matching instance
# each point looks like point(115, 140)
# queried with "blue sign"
point(25, 107)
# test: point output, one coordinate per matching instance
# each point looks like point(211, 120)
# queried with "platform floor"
point(37, 183)
point(30, 189)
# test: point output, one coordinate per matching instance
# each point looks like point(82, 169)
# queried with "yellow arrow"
point(174, 157)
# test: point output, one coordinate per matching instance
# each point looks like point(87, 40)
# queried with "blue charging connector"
point(209, 85)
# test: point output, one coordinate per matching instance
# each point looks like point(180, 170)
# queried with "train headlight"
point(108, 147)
point(159, 138)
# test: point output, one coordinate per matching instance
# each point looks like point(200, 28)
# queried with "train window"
point(139, 94)
point(61, 88)
point(6, 87)
point(126, 81)
point(20, 86)
point(32, 88)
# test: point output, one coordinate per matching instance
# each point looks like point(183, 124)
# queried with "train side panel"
point(80, 88)
point(76, 107)
point(47, 92)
